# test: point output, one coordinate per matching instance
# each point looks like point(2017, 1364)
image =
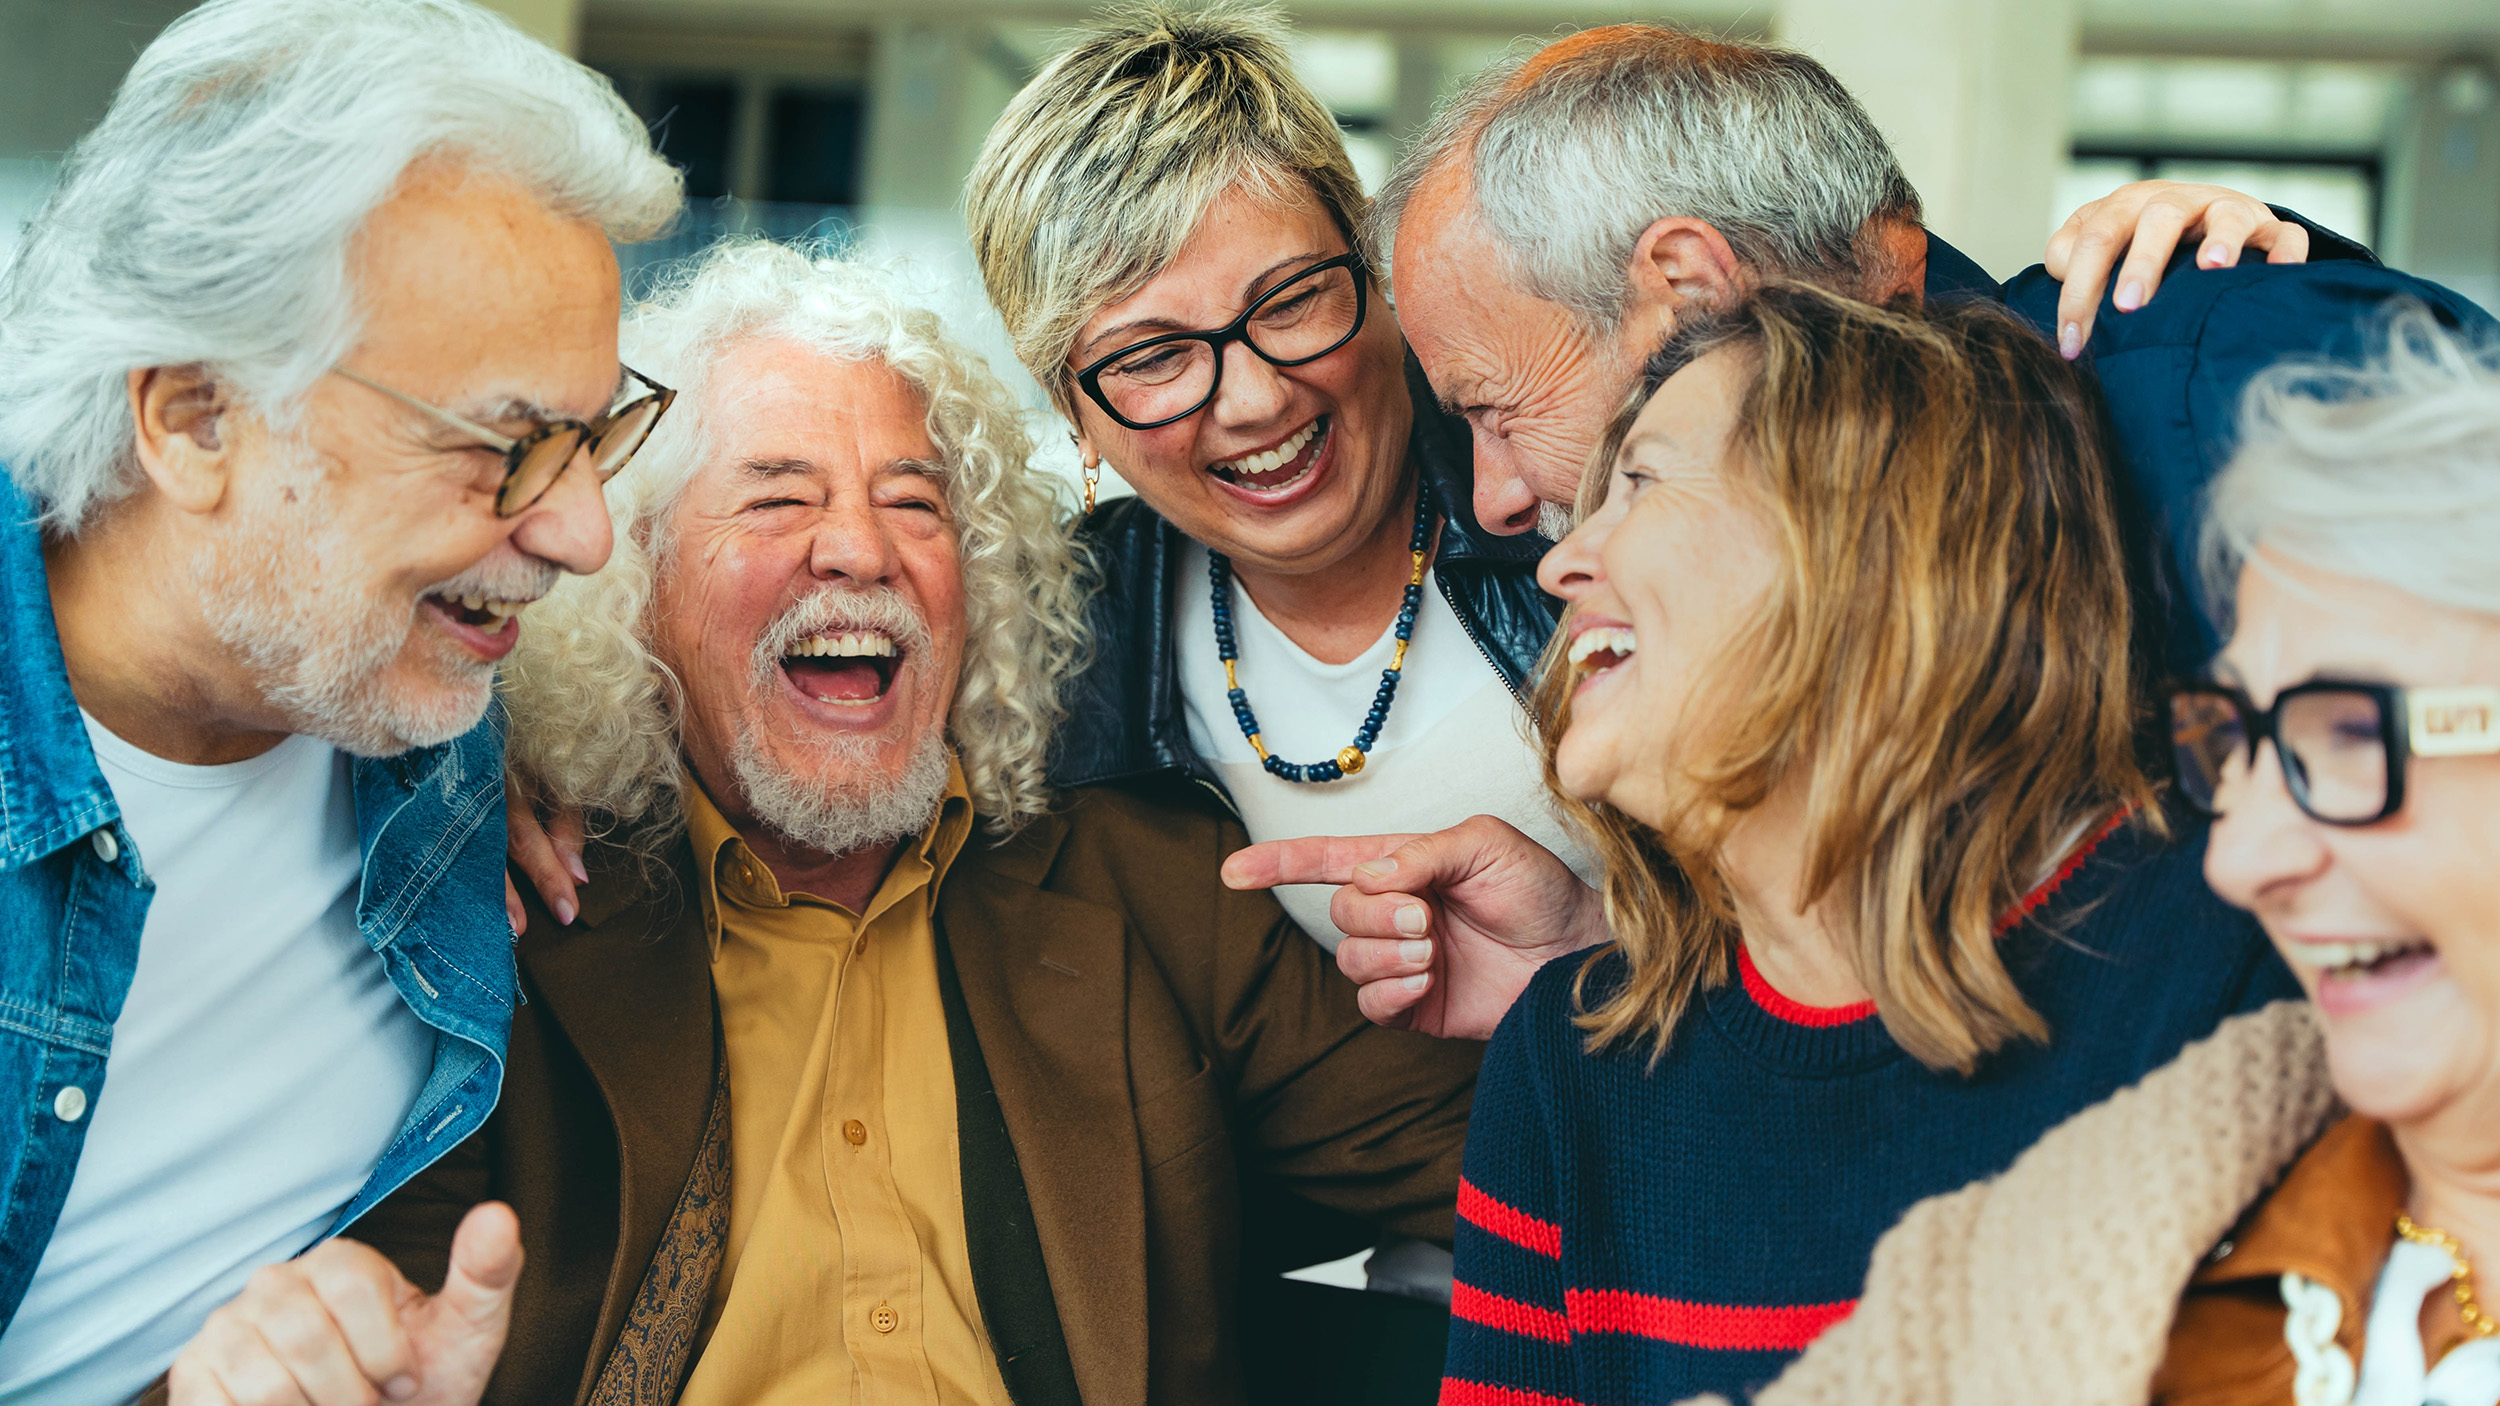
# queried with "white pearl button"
point(107, 848)
point(70, 1104)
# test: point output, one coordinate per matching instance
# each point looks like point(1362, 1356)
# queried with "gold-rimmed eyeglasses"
point(533, 463)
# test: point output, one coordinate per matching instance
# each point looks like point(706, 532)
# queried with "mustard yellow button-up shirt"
point(847, 1277)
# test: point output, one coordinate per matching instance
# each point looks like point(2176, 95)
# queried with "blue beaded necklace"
point(1349, 760)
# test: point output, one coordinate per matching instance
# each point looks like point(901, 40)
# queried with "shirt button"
point(855, 1133)
point(70, 1104)
point(884, 1319)
point(107, 848)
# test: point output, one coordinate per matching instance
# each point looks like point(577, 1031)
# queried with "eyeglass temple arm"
point(2452, 722)
point(497, 442)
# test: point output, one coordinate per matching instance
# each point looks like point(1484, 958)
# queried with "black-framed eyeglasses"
point(2342, 746)
point(1160, 380)
point(533, 463)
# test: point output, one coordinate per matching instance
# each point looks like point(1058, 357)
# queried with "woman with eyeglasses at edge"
point(1853, 706)
point(2303, 1209)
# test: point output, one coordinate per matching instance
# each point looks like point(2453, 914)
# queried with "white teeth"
point(2337, 956)
point(1603, 639)
point(1268, 461)
point(499, 612)
point(867, 644)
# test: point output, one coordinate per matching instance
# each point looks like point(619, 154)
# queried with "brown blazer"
point(1152, 1037)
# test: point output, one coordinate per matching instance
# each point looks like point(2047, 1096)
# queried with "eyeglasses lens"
point(623, 436)
point(1300, 321)
point(2211, 745)
point(542, 463)
point(2336, 742)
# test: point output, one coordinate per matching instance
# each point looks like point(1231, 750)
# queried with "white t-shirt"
point(262, 1063)
point(1457, 743)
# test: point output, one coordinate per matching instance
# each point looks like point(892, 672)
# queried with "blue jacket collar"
point(51, 791)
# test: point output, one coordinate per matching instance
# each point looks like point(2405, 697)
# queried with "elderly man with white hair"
point(308, 379)
point(870, 1070)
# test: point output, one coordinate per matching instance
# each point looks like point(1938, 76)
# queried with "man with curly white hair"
point(866, 1069)
point(308, 383)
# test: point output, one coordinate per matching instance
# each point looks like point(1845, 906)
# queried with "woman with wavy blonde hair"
point(1848, 697)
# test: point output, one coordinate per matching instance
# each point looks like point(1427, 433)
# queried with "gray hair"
point(596, 717)
point(2388, 470)
point(208, 218)
point(1101, 168)
point(1575, 150)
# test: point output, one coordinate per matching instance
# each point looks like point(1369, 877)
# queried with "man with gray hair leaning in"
point(870, 1069)
point(1564, 211)
point(308, 379)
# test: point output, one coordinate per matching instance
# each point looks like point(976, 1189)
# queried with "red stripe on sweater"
point(1824, 1017)
point(1526, 1320)
point(1715, 1327)
point(1457, 1393)
point(1779, 1007)
point(1508, 1222)
point(2049, 886)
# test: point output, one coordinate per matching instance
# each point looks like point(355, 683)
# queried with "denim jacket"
point(74, 890)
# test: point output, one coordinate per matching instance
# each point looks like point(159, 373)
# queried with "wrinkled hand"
point(2147, 220)
point(338, 1326)
point(549, 851)
point(1443, 931)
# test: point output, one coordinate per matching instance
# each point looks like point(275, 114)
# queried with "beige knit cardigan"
point(2054, 1283)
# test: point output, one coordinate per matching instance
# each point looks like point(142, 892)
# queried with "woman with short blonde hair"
point(1847, 695)
point(1297, 608)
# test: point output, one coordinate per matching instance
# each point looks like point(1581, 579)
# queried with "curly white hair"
point(595, 717)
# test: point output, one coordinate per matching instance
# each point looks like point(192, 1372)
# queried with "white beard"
point(852, 814)
point(283, 592)
point(837, 820)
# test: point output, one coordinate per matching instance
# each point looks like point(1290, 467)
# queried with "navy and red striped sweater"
point(1635, 1234)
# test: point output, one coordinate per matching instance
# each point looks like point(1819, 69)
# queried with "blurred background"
point(2380, 118)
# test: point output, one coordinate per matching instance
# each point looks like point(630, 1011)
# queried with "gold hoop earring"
point(1093, 471)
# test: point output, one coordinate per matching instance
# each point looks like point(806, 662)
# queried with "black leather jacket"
point(1124, 711)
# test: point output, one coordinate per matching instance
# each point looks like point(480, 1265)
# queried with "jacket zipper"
point(1441, 582)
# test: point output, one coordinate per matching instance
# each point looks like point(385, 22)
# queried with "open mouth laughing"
point(1281, 467)
point(1601, 647)
point(2354, 975)
point(848, 666)
point(486, 625)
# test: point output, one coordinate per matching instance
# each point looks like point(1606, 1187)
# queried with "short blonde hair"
point(1946, 663)
point(1099, 171)
point(596, 717)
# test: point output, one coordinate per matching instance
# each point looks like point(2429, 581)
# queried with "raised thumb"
point(485, 1265)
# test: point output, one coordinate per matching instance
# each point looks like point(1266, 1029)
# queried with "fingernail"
point(2211, 255)
point(400, 1388)
point(2070, 340)
point(2130, 296)
point(1415, 952)
point(1415, 983)
point(1378, 869)
point(573, 863)
point(513, 922)
point(564, 912)
point(1412, 920)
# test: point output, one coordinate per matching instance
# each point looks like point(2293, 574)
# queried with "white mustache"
point(524, 580)
point(842, 608)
